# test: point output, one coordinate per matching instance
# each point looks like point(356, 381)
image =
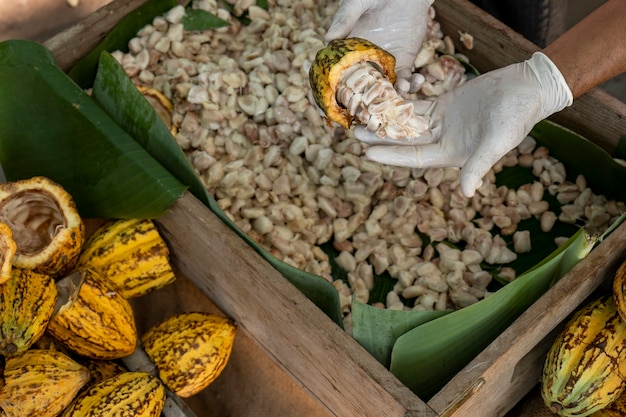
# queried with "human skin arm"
point(594, 50)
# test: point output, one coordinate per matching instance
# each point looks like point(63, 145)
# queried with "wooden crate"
point(289, 358)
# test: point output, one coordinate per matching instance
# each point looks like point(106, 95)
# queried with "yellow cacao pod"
point(136, 394)
point(584, 367)
point(330, 63)
point(99, 369)
point(40, 383)
point(617, 408)
point(190, 350)
point(131, 254)
point(46, 226)
point(95, 321)
point(27, 301)
point(8, 247)
point(619, 290)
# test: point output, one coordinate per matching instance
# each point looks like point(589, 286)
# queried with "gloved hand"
point(398, 26)
point(476, 124)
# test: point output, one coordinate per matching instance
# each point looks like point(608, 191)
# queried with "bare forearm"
point(594, 50)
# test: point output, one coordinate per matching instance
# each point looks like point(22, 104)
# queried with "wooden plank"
point(596, 115)
point(510, 366)
point(322, 358)
point(69, 46)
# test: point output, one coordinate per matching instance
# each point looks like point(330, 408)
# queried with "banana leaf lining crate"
point(289, 357)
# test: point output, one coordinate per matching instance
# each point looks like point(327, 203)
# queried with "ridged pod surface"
point(99, 369)
point(617, 408)
point(40, 383)
point(585, 367)
point(190, 350)
point(619, 290)
point(46, 226)
point(330, 63)
point(8, 247)
point(27, 302)
point(96, 321)
point(131, 254)
point(136, 394)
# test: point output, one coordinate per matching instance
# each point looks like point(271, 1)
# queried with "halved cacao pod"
point(40, 383)
point(190, 350)
point(27, 301)
point(585, 367)
point(92, 318)
point(131, 254)
point(8, 247)
point(137, 394)
point(330, 63)
point(46, 226)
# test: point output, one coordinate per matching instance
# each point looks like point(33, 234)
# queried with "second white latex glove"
point(476, 124)
point(398, 26)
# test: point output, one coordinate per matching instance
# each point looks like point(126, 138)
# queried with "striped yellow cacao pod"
point(131, 254)
point(136, 394)
point(27, 302)
point(190, 350)
point(8, 247)
point(584, 367)
point(330, 63)
point(40, 383)
point(46, 226)
point(616, 408)
point(99, 369)
point(95, 320)
point(619, 290)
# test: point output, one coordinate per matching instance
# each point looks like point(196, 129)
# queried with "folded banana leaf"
point(49, 126)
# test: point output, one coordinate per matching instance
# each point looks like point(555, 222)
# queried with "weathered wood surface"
point(69, 46)
point(318, 356)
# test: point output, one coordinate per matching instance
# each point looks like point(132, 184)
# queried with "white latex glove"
point(398, 26)
point(476, 124)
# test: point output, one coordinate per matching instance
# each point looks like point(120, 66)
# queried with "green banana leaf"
point(378, 329)
point(119, 97)
point(428, 356)
point(604, 175)
point(198, 19)
point(49, 126)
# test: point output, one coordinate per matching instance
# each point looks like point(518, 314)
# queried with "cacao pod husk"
point(131, 254)
point(584, 367)
point(137, 394)
point(40, 383)
point(27, 302)
point(190, 350)
point(95, 320)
